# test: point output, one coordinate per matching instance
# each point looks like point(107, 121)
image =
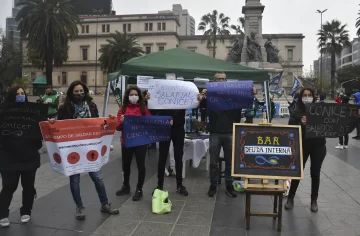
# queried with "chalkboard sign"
point(267, 151)
point(21, 120)
point(330, 120)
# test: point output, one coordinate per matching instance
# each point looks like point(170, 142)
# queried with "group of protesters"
point(23, 163)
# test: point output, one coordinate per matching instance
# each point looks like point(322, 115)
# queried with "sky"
point(280, 16)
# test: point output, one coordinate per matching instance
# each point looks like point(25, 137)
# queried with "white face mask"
point(134, 99)
point(307, 100)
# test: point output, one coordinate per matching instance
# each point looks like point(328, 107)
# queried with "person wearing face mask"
point(79, 105)
point(52, 99)
point(313, 147)
point(18, 163)
point(134, 105)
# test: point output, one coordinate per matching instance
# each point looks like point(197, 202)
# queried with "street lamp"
point(321, 52)
point(97, 11)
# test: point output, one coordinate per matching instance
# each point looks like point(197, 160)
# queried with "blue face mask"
point(20, 98)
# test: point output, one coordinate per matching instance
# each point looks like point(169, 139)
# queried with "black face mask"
point(79, 97)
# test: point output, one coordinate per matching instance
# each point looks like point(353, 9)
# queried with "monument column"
point(252, 11)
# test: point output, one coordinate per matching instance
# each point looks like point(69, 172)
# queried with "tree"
point(332, 38)
point(350, 75)
point(241, 25)
point(21, 81)
point(214, 24)
point(120, 49)
point(48, 25)
point(357, 25)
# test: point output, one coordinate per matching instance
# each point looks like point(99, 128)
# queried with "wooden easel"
point(264, 188)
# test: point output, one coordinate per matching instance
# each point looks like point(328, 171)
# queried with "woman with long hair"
point(18, 163)
point(313, 147)
point(79, 105)
point(134, 105)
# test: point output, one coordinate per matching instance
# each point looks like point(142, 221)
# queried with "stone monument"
point(254, 53)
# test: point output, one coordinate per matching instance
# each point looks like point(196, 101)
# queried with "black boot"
point(314, 206)
point(289, 204)
point(138, 195)
point(124, 190)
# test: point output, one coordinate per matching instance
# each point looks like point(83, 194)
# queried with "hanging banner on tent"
point(142, 130)
point(143, 81)
point(78, 146)
point(229, 95)
point(172, 94)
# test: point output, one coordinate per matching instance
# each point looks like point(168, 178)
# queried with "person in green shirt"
point(52, 98)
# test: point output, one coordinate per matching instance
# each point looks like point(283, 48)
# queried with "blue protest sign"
point(223, 96)
point(142, 130)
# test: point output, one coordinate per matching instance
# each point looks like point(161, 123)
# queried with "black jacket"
point(178, 116)
point(222, 121)
point(66, 113)
point(19, 154)
point(308, 143)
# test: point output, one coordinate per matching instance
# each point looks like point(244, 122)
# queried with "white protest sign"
point(172, 94)
point(143, 81)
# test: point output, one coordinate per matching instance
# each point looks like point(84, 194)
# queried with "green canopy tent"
point(189, 65)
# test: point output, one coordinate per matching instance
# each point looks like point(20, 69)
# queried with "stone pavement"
point(197, 214)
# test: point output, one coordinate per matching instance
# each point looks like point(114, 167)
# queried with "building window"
point(148, 50)
point(129, 28)
point(159, 26)
point(150, 26)
point(83, 29)
point(161, 48)
point(83, 77)
point(290, 54)
point(86, 29)
point(84, 54)
point(108, 28)
point(103, 28)
point(163, 26)
point(146, 26)
point(124, 28)
point(63, 78)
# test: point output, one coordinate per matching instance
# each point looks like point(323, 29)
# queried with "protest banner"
point(78, 146)
point(143, 81)
point(142, 130)
point(267, 152)
point(229, 95)
point(21, 120)
point(330, 120)
point(172, 94)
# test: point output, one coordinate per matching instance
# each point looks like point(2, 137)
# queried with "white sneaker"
point(339, 147)
point(4, 223)
point(25, 219)
point(345, 147)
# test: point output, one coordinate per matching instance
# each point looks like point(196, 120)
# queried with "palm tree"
point(358, 24)
point(332, 38)
point(120, 49)
point(213, 24)
point(48, 24)
point(241, 25)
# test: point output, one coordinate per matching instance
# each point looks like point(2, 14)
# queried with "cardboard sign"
point(142, 130)
point(330, 120)
point(172, 94)
point(21, 120)
point(267, 152)
point(78, 146)
point(223, 96)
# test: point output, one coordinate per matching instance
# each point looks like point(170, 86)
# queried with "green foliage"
point(23, 82)
point(348, 73)
point(214, 24)
point(120, 49)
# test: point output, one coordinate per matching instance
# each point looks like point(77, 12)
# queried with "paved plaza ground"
point(196, 214)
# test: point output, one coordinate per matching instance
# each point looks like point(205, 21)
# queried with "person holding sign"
point(220, 128)
point(134, 105)
point(19, 158)
point(313, 147)
point(79, 105)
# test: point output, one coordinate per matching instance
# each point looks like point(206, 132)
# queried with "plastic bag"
point(160, 202)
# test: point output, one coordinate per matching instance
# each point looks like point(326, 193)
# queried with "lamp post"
point(321, 53)
point(97, 11)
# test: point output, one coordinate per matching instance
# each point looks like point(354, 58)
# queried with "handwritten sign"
point(21, 120)
point(331, 120)
point(142, 130)
point(172, 94)
point(143, 81)
point(229, 95)
point(80, 145)
point(273, 151)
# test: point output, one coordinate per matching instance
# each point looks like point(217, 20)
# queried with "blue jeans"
point(99, 185)
point(218, 140)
